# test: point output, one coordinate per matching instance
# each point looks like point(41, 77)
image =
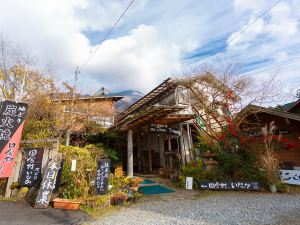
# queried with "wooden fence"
point(49, 153)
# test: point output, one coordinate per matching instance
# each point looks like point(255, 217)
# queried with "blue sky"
point(156, 39)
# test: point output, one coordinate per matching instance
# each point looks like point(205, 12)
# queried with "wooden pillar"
point(149, 153)
point(15, 174)
point(170, 156)
point(161, 152)
point(182, 152)
point(190, 142)
point(139, 154)
point(129, 153)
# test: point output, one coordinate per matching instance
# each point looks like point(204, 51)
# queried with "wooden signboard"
point(48, 183)
point(231, 185)
point(31, 173)
point(12, 115)
point(161, 128)
point(102, 177)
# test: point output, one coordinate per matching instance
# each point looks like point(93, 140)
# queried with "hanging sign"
point(189, 183)
point(102, 177)
point(290, 176)
point(231, 185)
point(31, 173)
point(12, 115)
point(48, 183)
point(162, 128)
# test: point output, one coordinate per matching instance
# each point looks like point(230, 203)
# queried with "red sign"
point(12, 117)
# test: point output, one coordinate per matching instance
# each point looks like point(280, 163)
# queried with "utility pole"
point(73, 92)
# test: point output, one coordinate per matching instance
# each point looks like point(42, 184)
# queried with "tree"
point(216, 99)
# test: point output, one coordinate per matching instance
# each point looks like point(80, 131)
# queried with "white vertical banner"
point(73, 165)
point(189, 183)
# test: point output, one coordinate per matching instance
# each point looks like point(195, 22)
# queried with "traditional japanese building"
point(286, 135)
point(161, 127)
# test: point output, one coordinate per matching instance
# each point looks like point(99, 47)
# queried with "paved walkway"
point(20, 213)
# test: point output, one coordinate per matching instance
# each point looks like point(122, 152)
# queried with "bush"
point(193, 169)
point(77, 184)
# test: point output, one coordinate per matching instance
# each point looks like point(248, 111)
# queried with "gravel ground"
point(217, 209)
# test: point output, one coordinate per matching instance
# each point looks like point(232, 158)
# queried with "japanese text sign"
point(12, 117)
point(102, 177)
point(31, 173)
point(290, 176)
point(48, 183)
point(231, 185)
point(161, 128)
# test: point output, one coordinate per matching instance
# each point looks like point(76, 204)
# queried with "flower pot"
point(134, 188)
point(68, 204)
point(272, 188)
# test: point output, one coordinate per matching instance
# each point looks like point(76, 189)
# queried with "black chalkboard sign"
point(102, 177)
point(231, 185)
point(31, 173)
point(48, 183)
point(58, 177)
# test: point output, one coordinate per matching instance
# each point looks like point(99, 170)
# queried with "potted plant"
point(134, 183)
point(118, 199)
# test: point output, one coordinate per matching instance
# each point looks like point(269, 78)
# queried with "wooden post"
point(190, 143)
point(129, 154)
point(149, 153)
point(15, 175)
point(170, 156)
point(139, 154)
point(182, 152)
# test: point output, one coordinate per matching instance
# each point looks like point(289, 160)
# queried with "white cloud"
point(139, 60)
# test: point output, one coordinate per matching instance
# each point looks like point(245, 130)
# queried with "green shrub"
point(77, 184)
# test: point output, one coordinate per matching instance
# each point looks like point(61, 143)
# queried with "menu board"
point(48, 183)
point(31, 173)
point(12, 115)
point(102, 177)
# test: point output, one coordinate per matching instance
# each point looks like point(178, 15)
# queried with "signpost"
point(102, 176)
point(31, 173)
point(12, 115)
point(48, 183)
point(231, 185)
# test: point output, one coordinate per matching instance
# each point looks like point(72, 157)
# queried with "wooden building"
point(84, 108)
point(286, 135)
point(160, 128)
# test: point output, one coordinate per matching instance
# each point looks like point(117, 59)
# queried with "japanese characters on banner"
point(102, 176)
point(31, 173)
point(48, 183)
point(231, 185)
point(290, 176)
point(12, 115)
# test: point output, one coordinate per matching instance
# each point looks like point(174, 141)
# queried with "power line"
point(106, 36)
point(280, 65)
point(257, 18)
